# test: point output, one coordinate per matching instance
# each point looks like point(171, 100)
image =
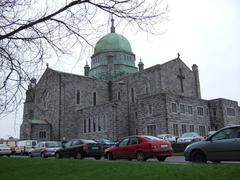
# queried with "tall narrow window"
point(190, 110)
point(136, 115)
point(202, 131)
point(182, 108)
point(78, 96)
point(94, 98)
point(119, 95)
point(84, 126)
point(151, 130)
point(132, 94)
point(207, 111)
point(184, 128)
point(149, 109)
point(136, 132)
point(89, 125)
point(94, 125)
point(175, 129)
point(42, 135)
point(200, 111)
point(99, 124)
point(147, 90)
point(191, 128)
point(174, 107)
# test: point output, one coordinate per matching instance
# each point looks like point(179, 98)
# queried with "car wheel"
point(109, 156)
point(43, 155)
point(78, 156)
point(161, 158)
point(58, 155)
point(198, 157)
point(98, 157)
point(141, 157)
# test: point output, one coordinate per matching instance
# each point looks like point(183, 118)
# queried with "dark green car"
point(79, 149)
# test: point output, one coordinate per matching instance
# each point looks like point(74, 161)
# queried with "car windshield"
point(53, 144)
point(85, 141)
point(107, 141)
point(189, 134)
point(151, 138)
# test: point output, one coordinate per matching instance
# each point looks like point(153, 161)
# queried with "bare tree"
point(31, 31)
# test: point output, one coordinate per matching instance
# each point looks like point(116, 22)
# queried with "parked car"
point(45, 149)
point(23, 147)
point(106, 143)
point(139, 147)
point(80, 148)
point(168, 137)
point(190, 137)
point(5, 150)
point(224, 145)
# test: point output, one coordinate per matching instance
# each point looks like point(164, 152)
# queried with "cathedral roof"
point(113, 42)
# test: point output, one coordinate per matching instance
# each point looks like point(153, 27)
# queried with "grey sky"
point(204, 32)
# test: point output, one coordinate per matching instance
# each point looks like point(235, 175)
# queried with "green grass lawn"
point(70, 169)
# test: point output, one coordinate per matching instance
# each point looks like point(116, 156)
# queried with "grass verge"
point(69, 169)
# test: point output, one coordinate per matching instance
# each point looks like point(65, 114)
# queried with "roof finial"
point(112, 27)
point(47, 65)
point(178, 55)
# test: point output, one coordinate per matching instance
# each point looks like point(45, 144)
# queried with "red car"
point(139, 147)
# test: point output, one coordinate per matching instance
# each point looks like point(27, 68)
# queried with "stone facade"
point(165, 98)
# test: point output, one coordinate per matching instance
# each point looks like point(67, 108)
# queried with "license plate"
point(95, 148)
point(164, 145)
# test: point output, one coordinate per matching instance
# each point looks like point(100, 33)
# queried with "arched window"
point(78, 96)
point(94, 99)
point(119, 95)
point(84, 126)
point(132, 94)
point(89, 125)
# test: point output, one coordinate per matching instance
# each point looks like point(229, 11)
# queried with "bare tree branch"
point(31, 31)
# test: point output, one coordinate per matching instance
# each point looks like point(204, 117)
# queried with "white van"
point(23, 147)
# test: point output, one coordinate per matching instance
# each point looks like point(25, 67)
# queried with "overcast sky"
point(204, 32)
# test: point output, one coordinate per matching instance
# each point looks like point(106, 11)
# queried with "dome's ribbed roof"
point(112, 42)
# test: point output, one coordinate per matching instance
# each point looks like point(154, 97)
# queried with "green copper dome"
point(112, 42)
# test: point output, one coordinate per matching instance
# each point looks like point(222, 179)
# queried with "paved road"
point(170, 160)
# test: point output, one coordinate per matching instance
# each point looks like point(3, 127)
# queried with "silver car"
point(5, 150)
point(190, 137)
point(168, 137)
point(224, 145)
point(45, 149)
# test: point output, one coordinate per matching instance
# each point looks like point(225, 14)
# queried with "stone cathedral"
point(114, 98)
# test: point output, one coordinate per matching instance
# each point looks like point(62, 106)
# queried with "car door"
point(75, 147)
point(131, 148)
point(120, 150)
point(224, 145)
point(37, 149)
point(66, 151)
